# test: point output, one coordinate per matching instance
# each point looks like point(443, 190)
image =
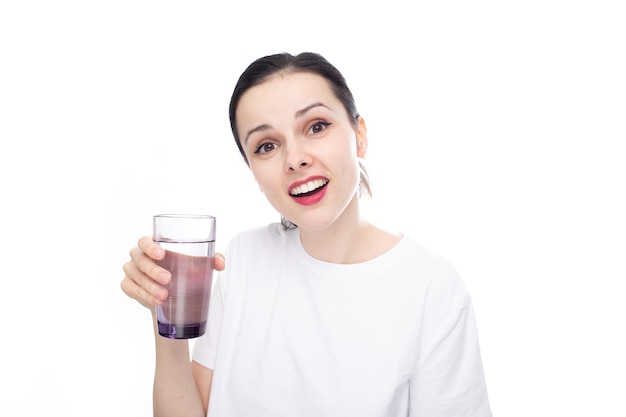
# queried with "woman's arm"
point(204, 378)
point(181, 387)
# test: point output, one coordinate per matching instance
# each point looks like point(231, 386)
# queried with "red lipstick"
point(309, 191)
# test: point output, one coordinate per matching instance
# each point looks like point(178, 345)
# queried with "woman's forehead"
point(286, 92)
point(293, 83)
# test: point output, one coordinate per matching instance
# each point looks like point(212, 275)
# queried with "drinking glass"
point(189, 244)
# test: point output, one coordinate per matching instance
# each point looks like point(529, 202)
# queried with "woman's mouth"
point(308, 188)
point(309, 192)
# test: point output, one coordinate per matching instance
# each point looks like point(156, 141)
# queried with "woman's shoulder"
point(417, 251)
point(426, 262)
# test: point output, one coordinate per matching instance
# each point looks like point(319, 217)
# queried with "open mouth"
point(309, 188)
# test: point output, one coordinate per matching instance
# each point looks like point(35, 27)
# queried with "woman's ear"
point(361, 138)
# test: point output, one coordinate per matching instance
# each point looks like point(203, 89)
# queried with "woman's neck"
point(350, 239)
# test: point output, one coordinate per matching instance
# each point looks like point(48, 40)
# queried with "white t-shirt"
point(292, 336)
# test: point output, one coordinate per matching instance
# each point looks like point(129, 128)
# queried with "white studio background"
point(496, 132)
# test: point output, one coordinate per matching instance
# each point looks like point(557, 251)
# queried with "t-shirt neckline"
point(383, 259)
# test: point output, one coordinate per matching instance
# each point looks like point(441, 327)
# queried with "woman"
point(323, 314)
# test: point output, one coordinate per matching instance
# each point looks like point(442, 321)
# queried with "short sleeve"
point(448, 379)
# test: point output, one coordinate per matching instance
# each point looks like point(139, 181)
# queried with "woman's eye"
point(264, 148)
point(319, 126)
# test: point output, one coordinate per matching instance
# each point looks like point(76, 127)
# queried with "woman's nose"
point(297, 158)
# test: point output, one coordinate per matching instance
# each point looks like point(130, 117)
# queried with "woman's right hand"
point(144, 280)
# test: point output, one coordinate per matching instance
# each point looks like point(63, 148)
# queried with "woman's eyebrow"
point(259, 128)
point(303, 111)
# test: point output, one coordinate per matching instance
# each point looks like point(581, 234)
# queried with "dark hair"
point(264, 68)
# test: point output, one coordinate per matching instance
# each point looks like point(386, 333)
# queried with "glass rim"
point(187, 216)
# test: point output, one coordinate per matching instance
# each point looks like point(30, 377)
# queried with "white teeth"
point(309, 186)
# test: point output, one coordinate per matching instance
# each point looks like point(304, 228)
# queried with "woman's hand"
point(144, 280)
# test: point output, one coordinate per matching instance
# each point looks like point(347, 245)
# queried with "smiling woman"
point(298, 135)
point(334, 317)
point(281, 64)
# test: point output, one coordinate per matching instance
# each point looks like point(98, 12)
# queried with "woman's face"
point(302, 147)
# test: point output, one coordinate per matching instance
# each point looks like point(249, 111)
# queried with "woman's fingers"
point(144, 279)
point(220, 262)
point(141, 287)
point(151, 248)
point(147, 265)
